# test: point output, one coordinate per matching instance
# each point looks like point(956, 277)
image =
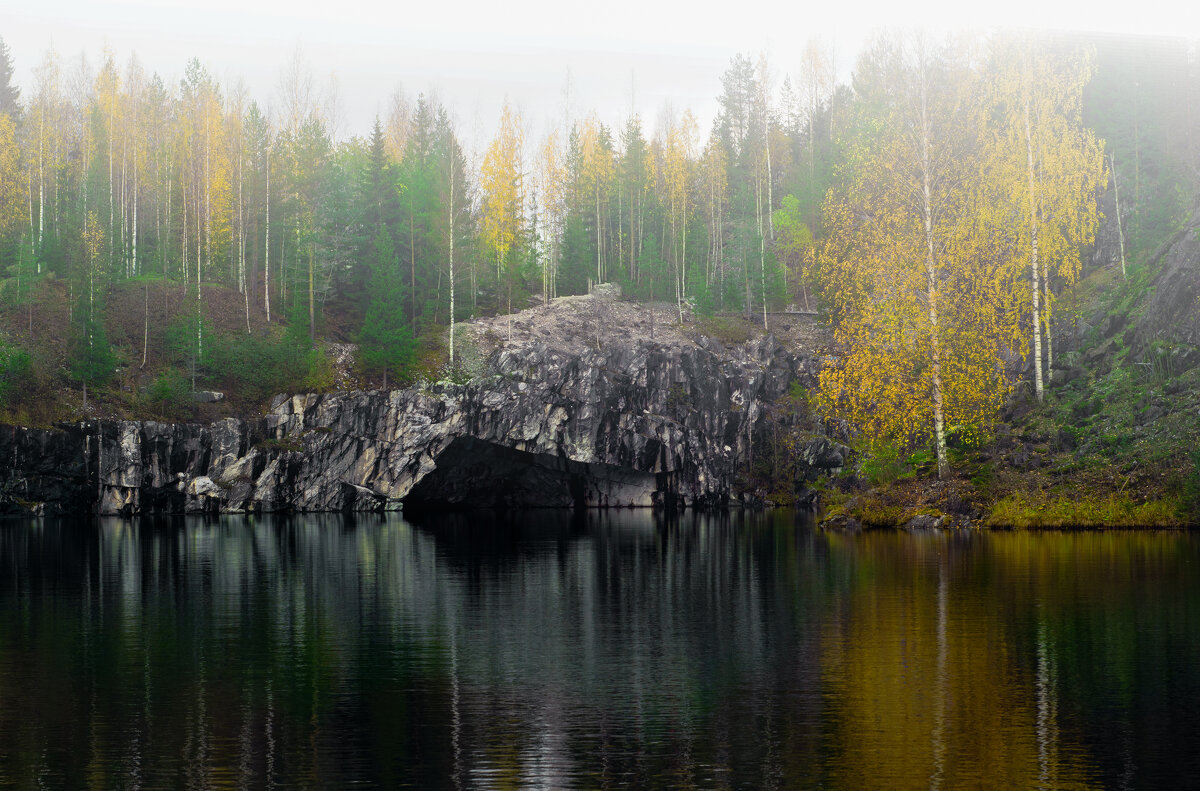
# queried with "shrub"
point(169, 393)
point(16, 371)
point(1191, 488)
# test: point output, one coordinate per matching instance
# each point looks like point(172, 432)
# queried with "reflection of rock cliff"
point(580, 407)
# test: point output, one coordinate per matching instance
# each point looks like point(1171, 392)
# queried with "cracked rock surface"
point(579, 406)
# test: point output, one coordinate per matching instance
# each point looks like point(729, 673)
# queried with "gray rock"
point(207, 396)
point(633, 422)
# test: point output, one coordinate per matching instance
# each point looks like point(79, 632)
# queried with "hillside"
point(1116, 441)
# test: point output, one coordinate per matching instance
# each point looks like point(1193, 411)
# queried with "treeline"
point(112, 175)
point(905, 194)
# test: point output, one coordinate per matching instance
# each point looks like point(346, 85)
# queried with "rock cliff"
point(586, 401)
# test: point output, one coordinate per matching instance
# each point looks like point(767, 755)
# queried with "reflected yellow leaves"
point(925, 688)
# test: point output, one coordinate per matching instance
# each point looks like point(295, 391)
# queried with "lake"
point(600, 650)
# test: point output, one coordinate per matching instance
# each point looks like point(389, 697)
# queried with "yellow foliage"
point(501, 180)
point(12, 185)
point(927, 261)
point(918, 302)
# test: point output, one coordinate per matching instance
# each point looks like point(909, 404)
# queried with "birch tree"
point(909, 299)
point(501, 180)
point(1050, 166)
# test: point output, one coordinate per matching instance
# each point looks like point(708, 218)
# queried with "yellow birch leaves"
point(926, 249)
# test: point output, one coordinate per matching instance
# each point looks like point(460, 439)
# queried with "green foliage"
point(1191, 488)
point(385, 341)
point(91, 359)
point(257, 367)
point(320, 374)
point(16, 371)
point(169, 393)
point(578, 257)
point(798, 399)
point(189, 342)
point(1158, 367)
point(678, 398)
point(885, 464)
point(1035, 510)
point(882, 467)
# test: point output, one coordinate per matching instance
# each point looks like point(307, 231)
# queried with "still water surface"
point(610, 650)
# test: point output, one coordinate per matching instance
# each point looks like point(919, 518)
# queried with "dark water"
point(613, 651)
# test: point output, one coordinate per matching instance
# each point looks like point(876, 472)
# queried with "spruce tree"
point(385, 342)
point(10, 95)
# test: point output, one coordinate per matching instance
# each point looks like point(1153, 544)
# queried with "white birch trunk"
point(770, 181)
point(133, 239)
point(1034, 268)
point(451, 157)
point(267, 243)
point(939, 423)
point(1120, 226)
point(41, 183)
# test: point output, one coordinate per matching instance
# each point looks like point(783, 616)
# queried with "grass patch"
point(288, 444)
point(1116, 510)
point(729, 330)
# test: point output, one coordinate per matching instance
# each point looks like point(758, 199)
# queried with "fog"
point(549, 59)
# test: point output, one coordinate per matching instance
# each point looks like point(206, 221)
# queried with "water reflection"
point(604, 650)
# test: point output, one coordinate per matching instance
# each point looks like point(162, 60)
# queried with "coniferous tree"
point(10, 95)
point(386, 343)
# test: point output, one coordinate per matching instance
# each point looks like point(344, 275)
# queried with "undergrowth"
point(1022, 510)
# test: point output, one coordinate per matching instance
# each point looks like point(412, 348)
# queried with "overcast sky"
point(620, 54)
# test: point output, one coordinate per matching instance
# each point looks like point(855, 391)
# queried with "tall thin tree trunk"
point(123, 195)
point(770, 179)
point(412, 256)
point(939, 425)
point(207, 196)
point(599, 270)
point(1034, 268)
point(451, 158)
point(1120, 225)
point(111, 205)
point(267, 242)
point(145, 326)
point(41, 184)
point(1047, 313)
point(242, 240)
point(183, 247)
point(134, 236)
point(762, 250)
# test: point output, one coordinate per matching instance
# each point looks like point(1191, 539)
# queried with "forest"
point(158, 237)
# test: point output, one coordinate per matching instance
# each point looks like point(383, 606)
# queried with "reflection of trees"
point(606, 650)
point(467, 652)
point(221, 652)
point(928, 687)
point(1117, 617)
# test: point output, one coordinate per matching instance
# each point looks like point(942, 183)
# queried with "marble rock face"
point(628, 421)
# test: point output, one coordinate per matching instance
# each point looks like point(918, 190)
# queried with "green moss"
point(1115, 510)
point(291, 444)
